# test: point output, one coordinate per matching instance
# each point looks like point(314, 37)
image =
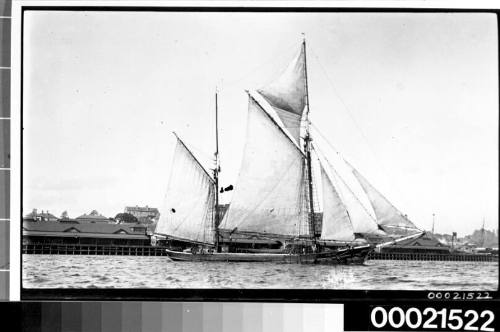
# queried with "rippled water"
point(55, 271)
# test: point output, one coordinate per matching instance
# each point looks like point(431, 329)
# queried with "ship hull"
point(356, 255)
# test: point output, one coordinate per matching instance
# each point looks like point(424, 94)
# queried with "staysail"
point(361, 218)
point(269, 193)
point(188, 207)
point(287, 94)
point(336, 223)
point(386, 213)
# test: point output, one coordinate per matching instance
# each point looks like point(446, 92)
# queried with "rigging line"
point(365, 138)
point(271, 59)
point(348, 187)
point(403, 227)
point(326, 140)
point(353, 169)
point(342, 101)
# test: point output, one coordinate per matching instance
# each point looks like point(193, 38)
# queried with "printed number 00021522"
point(459, 296)
point(414, 318)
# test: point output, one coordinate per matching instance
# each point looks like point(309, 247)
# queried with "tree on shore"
point(126, 218)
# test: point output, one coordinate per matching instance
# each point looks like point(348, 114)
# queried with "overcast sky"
point(411, 100)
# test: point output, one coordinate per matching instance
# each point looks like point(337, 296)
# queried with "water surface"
point(61, 271)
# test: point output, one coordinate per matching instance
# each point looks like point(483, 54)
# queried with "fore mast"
point(216, 178)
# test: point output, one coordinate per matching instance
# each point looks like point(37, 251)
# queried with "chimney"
point(35, 212)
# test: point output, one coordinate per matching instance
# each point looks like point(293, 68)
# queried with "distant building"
point(425, 244)
point(92, 217)
point(466, 246)
point(40, 216)
point(144, 215)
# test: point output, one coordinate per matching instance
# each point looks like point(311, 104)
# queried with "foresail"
point(336, 223)
point(268, 196)
point(187, 211)
point(386, 213)
point(287, 94)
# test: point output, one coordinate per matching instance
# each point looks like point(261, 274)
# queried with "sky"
point(411, 100)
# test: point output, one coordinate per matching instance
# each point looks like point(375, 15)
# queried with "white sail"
point(269, 193)
point(336, 223)
point(287, 94)
point(387, 214)
point(361, 219)
point(187, 211)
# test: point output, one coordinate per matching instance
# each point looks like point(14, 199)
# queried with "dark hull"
point(356, 255)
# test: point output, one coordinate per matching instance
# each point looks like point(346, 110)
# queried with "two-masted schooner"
point(273, 214)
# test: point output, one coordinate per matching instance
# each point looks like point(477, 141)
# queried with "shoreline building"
point(144, 214)
point(41, 216)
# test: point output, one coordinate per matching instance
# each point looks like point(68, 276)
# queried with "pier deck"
point(457, 257)
point(69, 249)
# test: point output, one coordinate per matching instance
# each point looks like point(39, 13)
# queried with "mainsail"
point(336, 223)
point(269, 193)
point(287, 94)
point(188, 207)
point(386, 213)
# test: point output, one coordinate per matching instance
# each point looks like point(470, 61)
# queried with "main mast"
point(307, 150)
point(216, 176)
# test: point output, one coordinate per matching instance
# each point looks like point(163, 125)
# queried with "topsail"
point(287, 94)
point(187, 212)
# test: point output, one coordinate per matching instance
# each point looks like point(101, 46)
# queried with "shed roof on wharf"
point(426, 243)
point(96, 233)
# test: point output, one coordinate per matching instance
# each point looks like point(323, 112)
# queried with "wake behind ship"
point(275, 199)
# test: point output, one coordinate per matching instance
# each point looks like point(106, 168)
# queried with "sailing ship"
point(273, 214)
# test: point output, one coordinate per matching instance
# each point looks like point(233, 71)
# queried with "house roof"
point(94, 215)
point(45, 215)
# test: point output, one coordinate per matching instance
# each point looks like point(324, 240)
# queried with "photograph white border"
point(16, 35)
